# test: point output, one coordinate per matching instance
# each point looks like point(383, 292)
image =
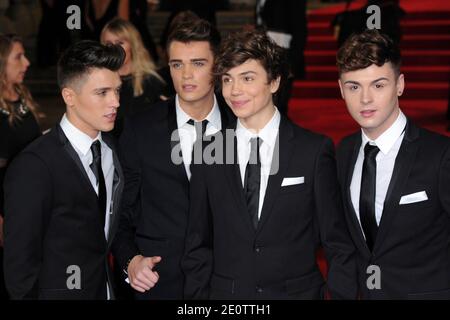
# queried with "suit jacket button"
point(257, 249)
point(259, 289)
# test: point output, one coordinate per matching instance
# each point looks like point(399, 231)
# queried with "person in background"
point(142, 86)
point(285, 22)
point(18, 115)
point(99, 12)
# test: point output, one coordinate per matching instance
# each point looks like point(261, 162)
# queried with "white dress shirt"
point(268, 135)
point(81, 142)
point(187, 132)
point(389, 144)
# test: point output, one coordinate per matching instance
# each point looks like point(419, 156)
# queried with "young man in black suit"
point(62, 192)
point(257, 221)
point(156, 148)
point(394, 179)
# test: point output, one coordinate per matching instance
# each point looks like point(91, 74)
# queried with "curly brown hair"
point(239, 47)
point(362, 50)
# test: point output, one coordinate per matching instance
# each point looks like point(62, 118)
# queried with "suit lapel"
point(116, 189)
point(402, 168)
point(172, 128)
point(233, 174)
point(283, 149)
point(67, 146)
point(356, 227)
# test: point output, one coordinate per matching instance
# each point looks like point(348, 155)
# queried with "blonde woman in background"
point(142, 86)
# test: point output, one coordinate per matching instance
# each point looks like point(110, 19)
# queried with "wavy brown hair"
point(6, 44)
point(361, 50)
point(241, 46)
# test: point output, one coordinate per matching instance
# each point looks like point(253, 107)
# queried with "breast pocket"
point(296, 188)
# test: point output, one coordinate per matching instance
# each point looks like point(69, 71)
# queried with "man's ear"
point(341, 88)
point(275, 84)
point(400, 84)
point(69, 96)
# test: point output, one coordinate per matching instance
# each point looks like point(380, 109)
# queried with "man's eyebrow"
point(102, 88)
point(241, 74)
point(192, 60)
point(351, 82)
point(379, 79)
point(247, 72)
point(374, 81)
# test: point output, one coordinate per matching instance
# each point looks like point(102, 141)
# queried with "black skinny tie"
point(252, 181)
point(367, 195)
point(96, 167)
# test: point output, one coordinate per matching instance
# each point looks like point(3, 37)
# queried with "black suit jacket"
point(289, 16)
point(52, 222)
point(413, 241)
point(156, 197)
point(227, 259)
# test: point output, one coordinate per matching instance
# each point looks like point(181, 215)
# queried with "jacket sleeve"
point(124, 247)
point(444, 178)
point(28, 198)
point(197, 262)
point(334, 235)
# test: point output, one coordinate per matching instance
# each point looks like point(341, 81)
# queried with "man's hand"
point(140, 272)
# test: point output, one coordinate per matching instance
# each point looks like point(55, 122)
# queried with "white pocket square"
point(292, 181)
point(414, 197)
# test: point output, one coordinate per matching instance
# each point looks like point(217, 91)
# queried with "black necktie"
point(96, 167)
point(367, 195)
point(200, 128)
point(252, 181)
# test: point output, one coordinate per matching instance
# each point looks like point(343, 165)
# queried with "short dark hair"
point(239, 47)
point(363, 49)
point(81, 57)
point(195, 30)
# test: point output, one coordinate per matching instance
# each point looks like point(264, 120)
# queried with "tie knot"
point(370, 151)
point(200, 126)
point(255, 143)
point(96, 149)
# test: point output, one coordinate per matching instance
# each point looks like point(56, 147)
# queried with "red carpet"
point(316, 103)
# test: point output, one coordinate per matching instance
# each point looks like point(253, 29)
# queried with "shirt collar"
point(79, 140)
point(388, 138)
point(214, 118)
point(268, 134)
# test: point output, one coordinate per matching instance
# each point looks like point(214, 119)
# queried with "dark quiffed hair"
point(239, 47)
point(362, 50)
point(195, 29)
point(84, 55)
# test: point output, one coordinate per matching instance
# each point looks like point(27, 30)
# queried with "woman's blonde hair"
point(6, 44)
point(141, 62)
